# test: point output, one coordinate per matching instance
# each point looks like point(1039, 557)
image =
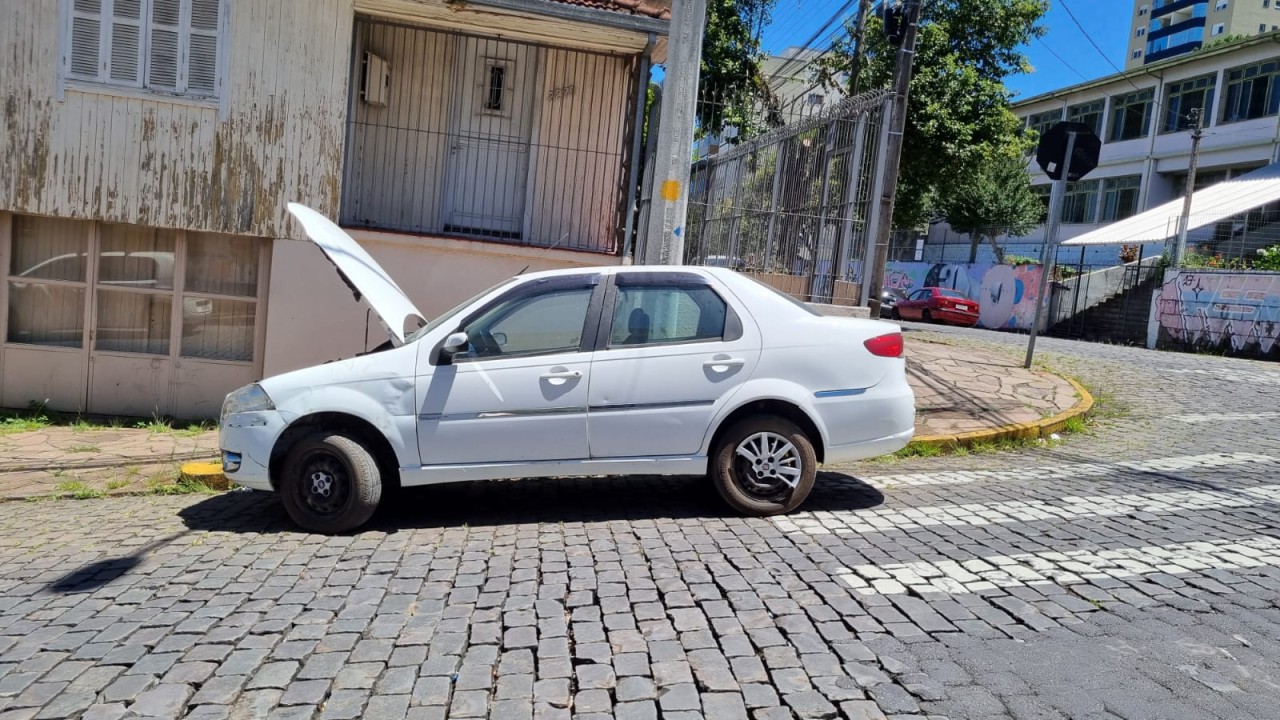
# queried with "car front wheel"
point(330, 483)
point(764, 465)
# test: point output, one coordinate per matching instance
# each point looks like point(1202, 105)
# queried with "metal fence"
point(793, 205)
point(490, 139)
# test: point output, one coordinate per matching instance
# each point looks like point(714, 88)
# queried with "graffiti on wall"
point(1006, 294)
point(1234, 312)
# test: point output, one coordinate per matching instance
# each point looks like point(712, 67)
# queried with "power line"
point(1065, 64)
point(834, 16)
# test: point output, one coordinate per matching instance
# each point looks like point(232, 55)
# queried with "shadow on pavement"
point(96, 574)
point(484, 504)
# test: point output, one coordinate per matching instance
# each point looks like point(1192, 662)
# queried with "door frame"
point(464, 64)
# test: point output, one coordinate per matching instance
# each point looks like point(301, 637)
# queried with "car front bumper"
point(246, 439)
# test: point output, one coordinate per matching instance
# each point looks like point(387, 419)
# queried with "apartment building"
point(1163, 29)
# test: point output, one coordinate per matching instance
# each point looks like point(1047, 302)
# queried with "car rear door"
point(672, 346)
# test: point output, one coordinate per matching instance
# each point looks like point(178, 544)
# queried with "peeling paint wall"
point(130, 157)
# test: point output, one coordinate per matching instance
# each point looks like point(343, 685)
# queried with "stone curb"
point(1017, 431)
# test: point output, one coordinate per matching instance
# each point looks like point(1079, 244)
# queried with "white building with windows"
point(1142, 116)
point(150, 148)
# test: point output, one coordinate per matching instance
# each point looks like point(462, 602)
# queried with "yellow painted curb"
point(209, 473)
point(1017, 431)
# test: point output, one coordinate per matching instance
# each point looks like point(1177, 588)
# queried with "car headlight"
point(246, 399)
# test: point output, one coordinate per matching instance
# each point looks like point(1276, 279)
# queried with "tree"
point(732, 91)
point(995, 196)
point(958, 113)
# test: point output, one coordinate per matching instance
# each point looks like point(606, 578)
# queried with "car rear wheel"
point(764, 465)
point(330, 483)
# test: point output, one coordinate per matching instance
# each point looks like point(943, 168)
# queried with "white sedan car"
point(593, 371)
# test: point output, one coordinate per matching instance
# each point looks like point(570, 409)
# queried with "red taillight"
point(886, 345)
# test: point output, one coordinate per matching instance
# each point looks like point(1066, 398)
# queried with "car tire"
point(926, 316)
point(330, 483)
point(761, 488)
point(894, 314)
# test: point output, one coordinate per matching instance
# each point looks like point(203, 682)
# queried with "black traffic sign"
point(1053, 151)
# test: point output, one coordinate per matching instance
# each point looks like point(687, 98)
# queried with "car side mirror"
point(455, 344)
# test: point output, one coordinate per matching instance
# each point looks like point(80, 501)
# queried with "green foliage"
point(958, 112)
point(1268, 259)
point(78, 490)
point(1215, 261)
point(731, 89)
point(1020, 260)
point(996, 193)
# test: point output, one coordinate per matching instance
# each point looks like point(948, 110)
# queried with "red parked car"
point(935, 304)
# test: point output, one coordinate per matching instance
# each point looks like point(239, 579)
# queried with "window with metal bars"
point(165, 46)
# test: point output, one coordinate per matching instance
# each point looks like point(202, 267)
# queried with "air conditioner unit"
point(375, 86)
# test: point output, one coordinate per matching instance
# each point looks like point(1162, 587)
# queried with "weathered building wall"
point(103, 153)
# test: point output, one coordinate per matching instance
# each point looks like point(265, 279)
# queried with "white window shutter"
point(86, 39)
point(202, 50)
point(126, 42)
point(162, 65)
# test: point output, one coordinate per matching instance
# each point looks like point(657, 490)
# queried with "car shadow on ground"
point(489, 504)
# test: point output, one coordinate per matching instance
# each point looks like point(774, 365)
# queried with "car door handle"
point(560, 376)
point(723, 364)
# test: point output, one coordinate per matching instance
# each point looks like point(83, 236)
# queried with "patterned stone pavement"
point(1130, 573)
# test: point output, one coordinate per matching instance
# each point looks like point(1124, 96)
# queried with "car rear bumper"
point(247, 439)
point(870, 448)
point(876, 421)
point(957, 317)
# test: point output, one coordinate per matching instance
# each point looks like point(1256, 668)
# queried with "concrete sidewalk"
point(961, 392)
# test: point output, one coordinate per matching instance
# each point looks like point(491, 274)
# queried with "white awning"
point(1208, 206)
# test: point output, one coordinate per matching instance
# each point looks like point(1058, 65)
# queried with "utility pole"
point(664, 240)
point(1056, 196)
point(1197, 132)
point(859, 30)
point(898, 123)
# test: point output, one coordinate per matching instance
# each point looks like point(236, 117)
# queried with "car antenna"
point(526, 267)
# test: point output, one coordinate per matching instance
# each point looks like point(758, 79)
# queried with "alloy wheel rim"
point(767, 466)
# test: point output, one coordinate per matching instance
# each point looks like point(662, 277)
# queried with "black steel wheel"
point(330, 483)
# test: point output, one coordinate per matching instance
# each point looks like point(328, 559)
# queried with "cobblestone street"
point(1131, 572)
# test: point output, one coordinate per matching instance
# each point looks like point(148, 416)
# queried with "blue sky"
point(1107, 22)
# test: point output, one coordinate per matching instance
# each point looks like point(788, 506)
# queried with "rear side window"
point(951, 293)
point(666, 314)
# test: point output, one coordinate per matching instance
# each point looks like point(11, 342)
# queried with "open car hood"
point(365, 277)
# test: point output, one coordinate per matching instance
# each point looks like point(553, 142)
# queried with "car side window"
point(666, 314)
point(548, 322)
point(920, 295)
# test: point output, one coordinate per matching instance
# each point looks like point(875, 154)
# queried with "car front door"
point(672, 347)
point(913, 308)
point(519, 391)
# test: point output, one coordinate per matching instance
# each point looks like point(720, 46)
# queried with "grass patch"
point(195, 429)
point(162, 485)
point(155, 426)
point(78, 490)
point(20, 423)
point(921, 449)
point(84, 449)
point(117, 484)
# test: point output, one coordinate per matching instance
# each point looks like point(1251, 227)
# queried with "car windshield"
point(442, 317)
point(951, 293)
